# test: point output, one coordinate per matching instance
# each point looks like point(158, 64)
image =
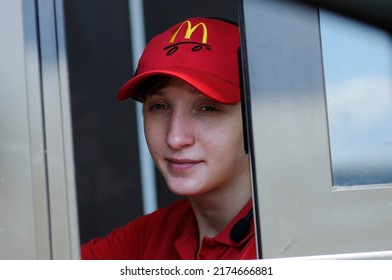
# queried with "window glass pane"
point(358, 79)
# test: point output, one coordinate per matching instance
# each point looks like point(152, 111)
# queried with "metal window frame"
point(64, 233)
point(298, 211)
point(38, 199)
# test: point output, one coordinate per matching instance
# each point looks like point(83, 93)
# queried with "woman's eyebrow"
point(155, 93)
point(195, 91)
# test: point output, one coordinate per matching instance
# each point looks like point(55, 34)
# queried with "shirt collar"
point(224, 236)
point(187, 241)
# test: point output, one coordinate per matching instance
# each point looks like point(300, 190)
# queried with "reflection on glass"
point(358, 80)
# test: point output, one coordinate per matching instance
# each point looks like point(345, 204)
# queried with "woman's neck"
point(214, 214)
point(213, 218)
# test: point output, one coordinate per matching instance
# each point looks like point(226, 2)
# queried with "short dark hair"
point(151, 85)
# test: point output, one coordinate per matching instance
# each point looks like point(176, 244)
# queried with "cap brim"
point(213, 87)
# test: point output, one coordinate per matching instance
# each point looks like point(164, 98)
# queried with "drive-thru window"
point(320, 93)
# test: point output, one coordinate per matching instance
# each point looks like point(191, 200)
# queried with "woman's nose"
point(180, 131)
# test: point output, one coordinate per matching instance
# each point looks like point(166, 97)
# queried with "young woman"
point(188, 82)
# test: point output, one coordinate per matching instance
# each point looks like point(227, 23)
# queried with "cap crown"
point(200, 51)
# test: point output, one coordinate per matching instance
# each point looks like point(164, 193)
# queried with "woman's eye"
point(159, 106)
point(208, 109)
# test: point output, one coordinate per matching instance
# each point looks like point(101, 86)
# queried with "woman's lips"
point(182, 164)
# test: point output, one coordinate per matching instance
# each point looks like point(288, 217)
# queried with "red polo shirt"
point(170, 233)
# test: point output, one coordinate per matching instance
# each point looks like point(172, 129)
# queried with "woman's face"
point(196, 142)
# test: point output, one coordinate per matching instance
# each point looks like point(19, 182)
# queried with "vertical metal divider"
point(57, 131)
point(147, 169)
point(247, 122)
point(36, 131)
point(67, 129)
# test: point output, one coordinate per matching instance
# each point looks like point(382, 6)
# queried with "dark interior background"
point(104, 130)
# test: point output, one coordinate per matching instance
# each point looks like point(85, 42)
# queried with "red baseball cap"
point(200, 51)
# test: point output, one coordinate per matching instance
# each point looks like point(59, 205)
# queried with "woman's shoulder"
point(131, 240)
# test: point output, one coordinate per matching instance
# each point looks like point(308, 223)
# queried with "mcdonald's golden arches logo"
point(190, 30)
point(173, 47)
